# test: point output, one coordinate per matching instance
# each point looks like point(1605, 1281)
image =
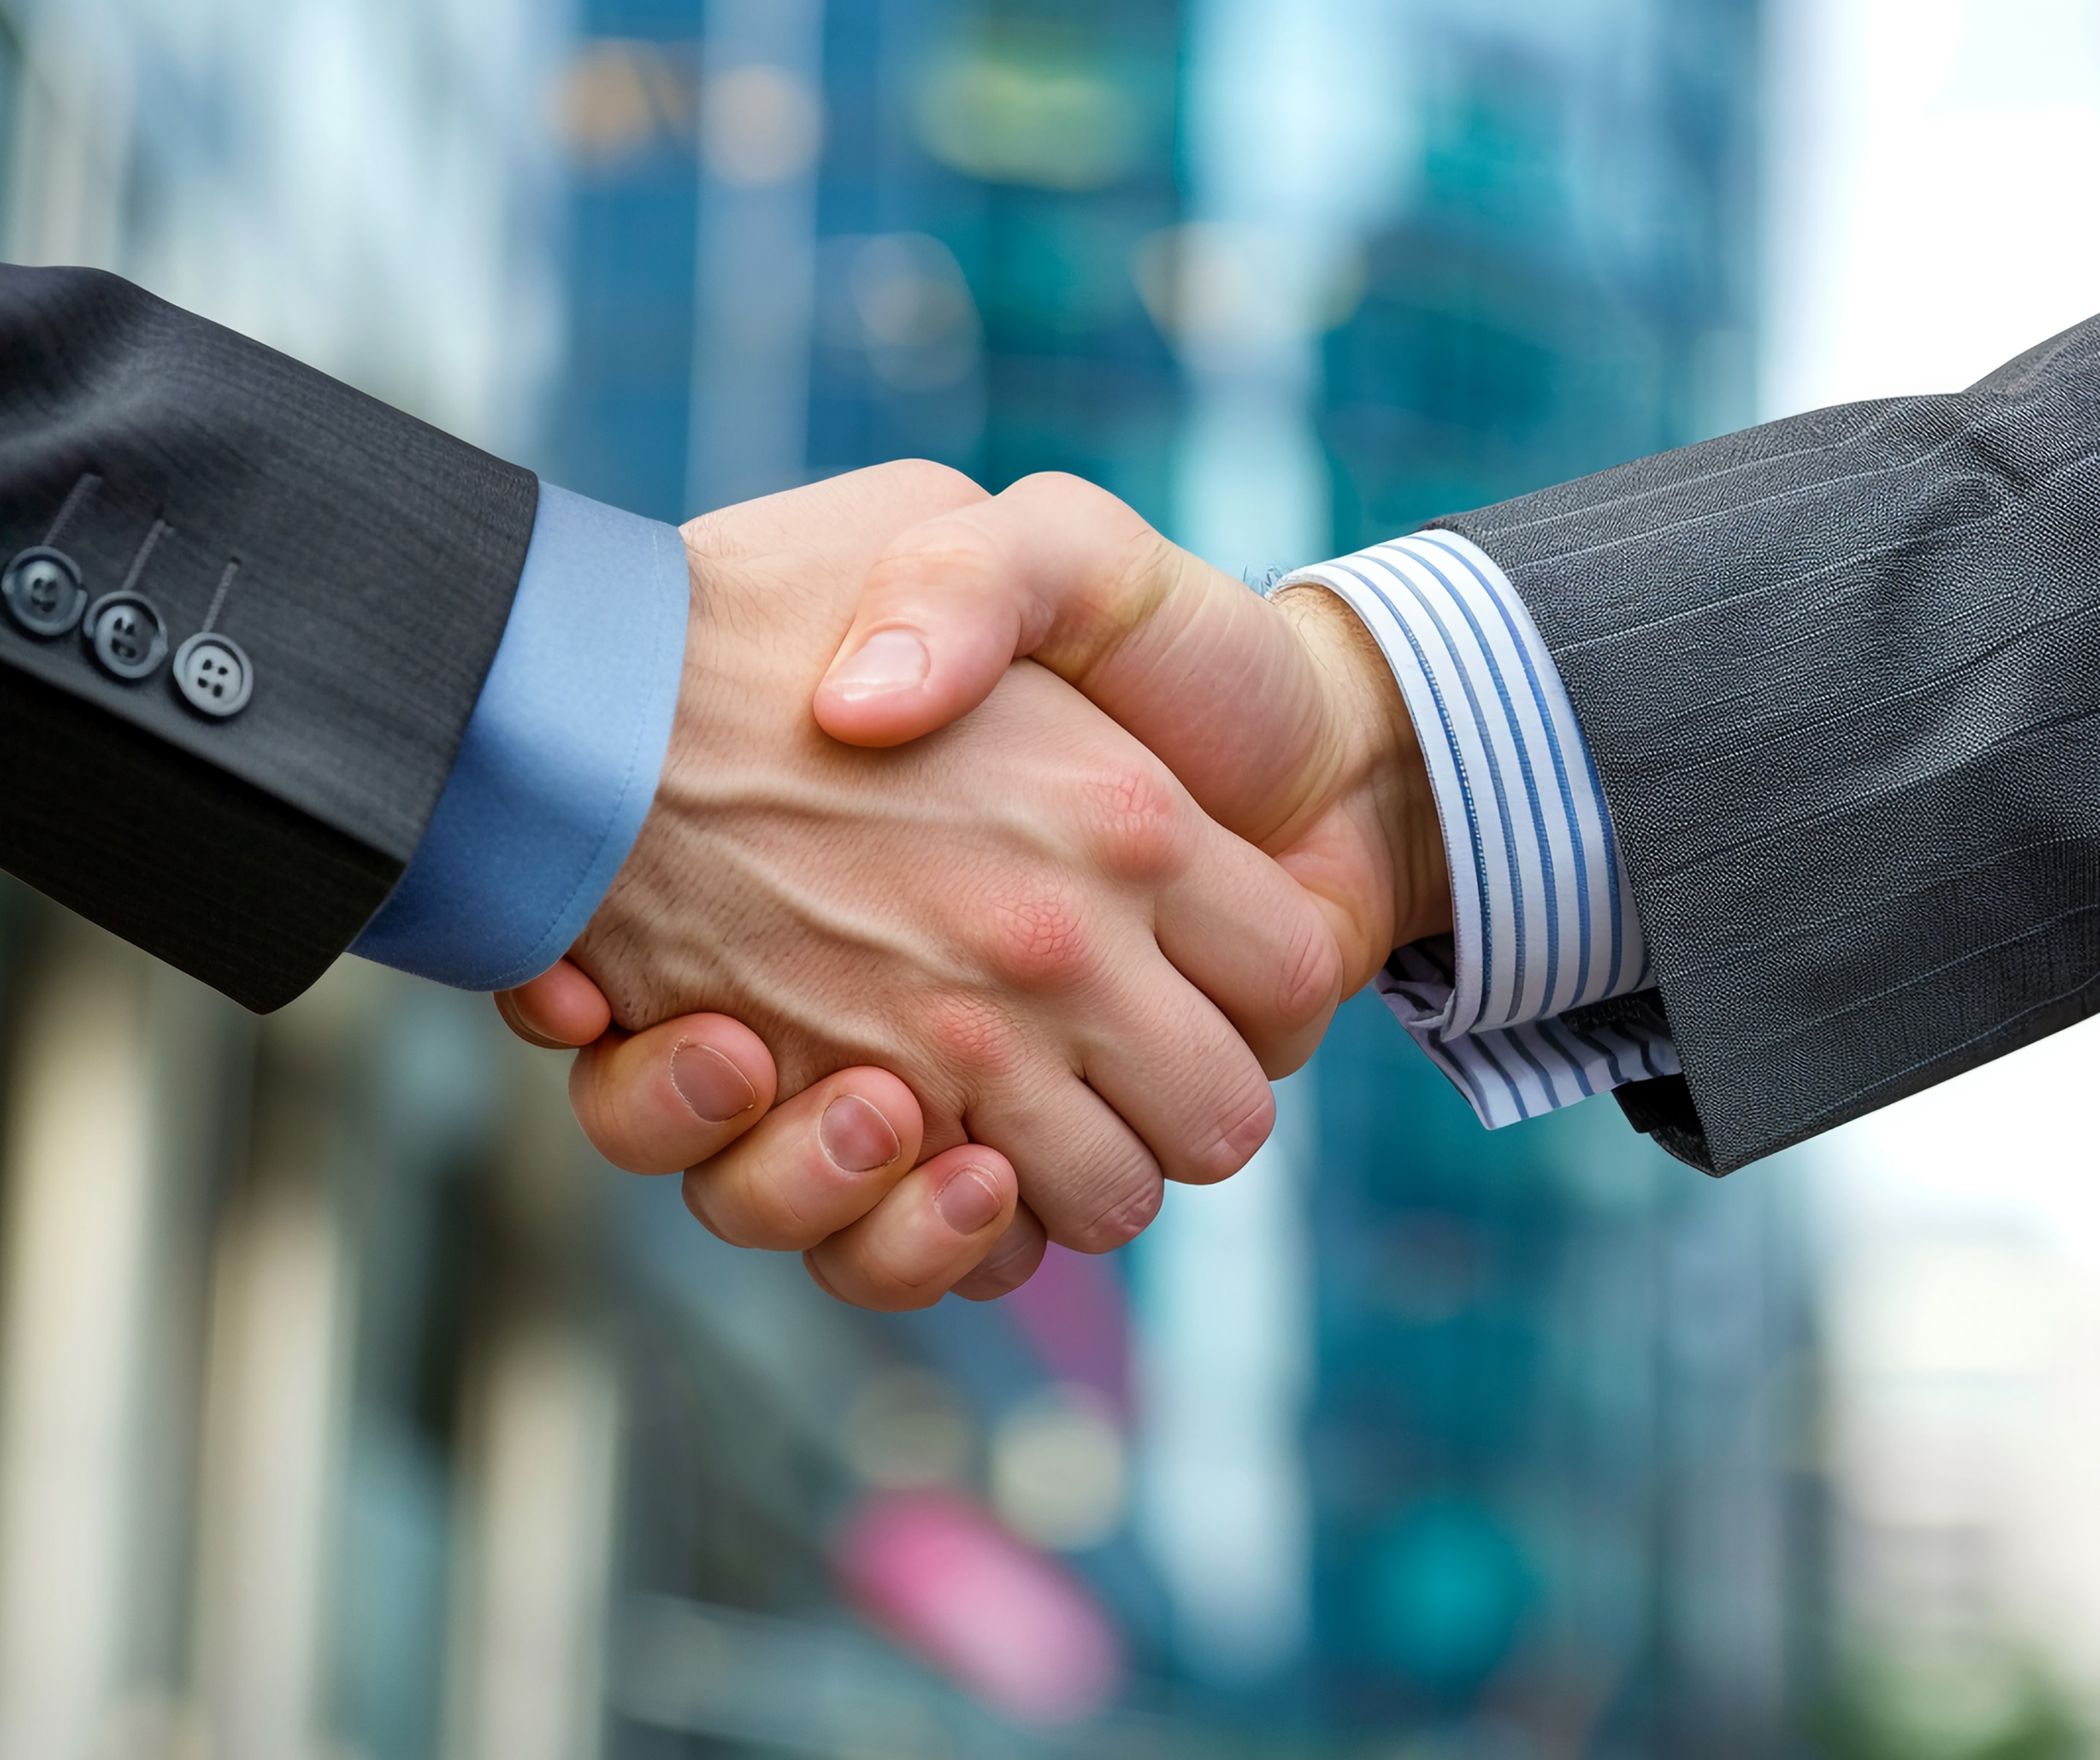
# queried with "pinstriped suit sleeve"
point(1840, 678)
point(1513, 1005)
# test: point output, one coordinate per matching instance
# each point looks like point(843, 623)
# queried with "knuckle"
point(1312, 976)
point(1138, 821)
point(972, 1033)
point(890, 1296)
point(1011, 1262)
point(1036, 938)
point(744, 1215)
point(1126, 1216)
point(924, 478)
point(1001, 1273)
point(855, 1273)
point(1249, 1115)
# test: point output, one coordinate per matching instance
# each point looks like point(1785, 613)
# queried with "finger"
point(939, 1223)
point(1252, 939)
point(820, 1164)
point(1170, 1065)
point(1095, 1186)
point(658, 1101)
point(1011, 1262)
point(559, 1008)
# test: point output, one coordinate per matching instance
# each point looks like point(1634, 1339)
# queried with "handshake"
point(1002, 852)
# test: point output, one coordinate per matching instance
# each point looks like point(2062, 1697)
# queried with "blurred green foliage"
point(1986, 1705)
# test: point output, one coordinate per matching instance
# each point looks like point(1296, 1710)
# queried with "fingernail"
point(708, 1082)
point(856, 1137)
point(967, 1202)
point(889, 660)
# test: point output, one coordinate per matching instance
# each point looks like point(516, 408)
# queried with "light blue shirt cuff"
point(560, 760)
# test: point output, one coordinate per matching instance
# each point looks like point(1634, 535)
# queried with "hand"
point(1023, 918)
point(1282, 717)
point(1279, 716)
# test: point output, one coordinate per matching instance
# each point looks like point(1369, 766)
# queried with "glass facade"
point(1568, 281)
point(984, 177)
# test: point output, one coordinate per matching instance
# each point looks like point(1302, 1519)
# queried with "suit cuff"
point(1544, 925)
point(560, 762)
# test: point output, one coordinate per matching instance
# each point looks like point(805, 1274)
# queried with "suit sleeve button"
point(43, 591)
point(214, 675)
point(127, 635)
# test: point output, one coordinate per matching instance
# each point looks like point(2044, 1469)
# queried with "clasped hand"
point(975, 938)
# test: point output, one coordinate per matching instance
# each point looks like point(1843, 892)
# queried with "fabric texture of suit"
point(376, 559)
point(1840, 675)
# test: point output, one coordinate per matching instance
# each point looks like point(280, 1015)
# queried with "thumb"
point(1188, 660)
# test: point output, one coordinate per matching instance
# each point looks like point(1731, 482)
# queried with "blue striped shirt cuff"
point(1542, 918)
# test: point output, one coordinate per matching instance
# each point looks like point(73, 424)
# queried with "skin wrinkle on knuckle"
point(971, 1037)
point(774, 1216)
point(754, 1212)
point(1089, 625)
point(1036, 938)
point(991, 1281)
point(903, 1292)
point(1154, 570)
point(1138, 823)
point(1235, 1145)
point(1312, 976)
point(1124, 602)
point(877, 1285)
point(1124, 1220)
point(1011, 1262)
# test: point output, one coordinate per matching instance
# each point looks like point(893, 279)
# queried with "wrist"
point(1398, 805)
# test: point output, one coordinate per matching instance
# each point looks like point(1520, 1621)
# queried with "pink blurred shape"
point(942, 1578)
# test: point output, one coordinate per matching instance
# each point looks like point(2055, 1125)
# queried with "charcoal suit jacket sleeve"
point(1840, 677)
point(362, 562)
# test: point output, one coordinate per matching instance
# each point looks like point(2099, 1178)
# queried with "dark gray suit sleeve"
point(363, 561)
point(1841, 675)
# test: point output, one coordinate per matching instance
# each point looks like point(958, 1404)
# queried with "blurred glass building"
point(807, 238)
point(349, 1407)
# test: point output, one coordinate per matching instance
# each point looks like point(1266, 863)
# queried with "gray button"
point(43, 591)
point(214, 675)
point(127, 635)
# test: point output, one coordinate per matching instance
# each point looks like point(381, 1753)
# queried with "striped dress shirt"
point(1543, 918)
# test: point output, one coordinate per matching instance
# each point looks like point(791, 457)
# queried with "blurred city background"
point(350, 1409)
